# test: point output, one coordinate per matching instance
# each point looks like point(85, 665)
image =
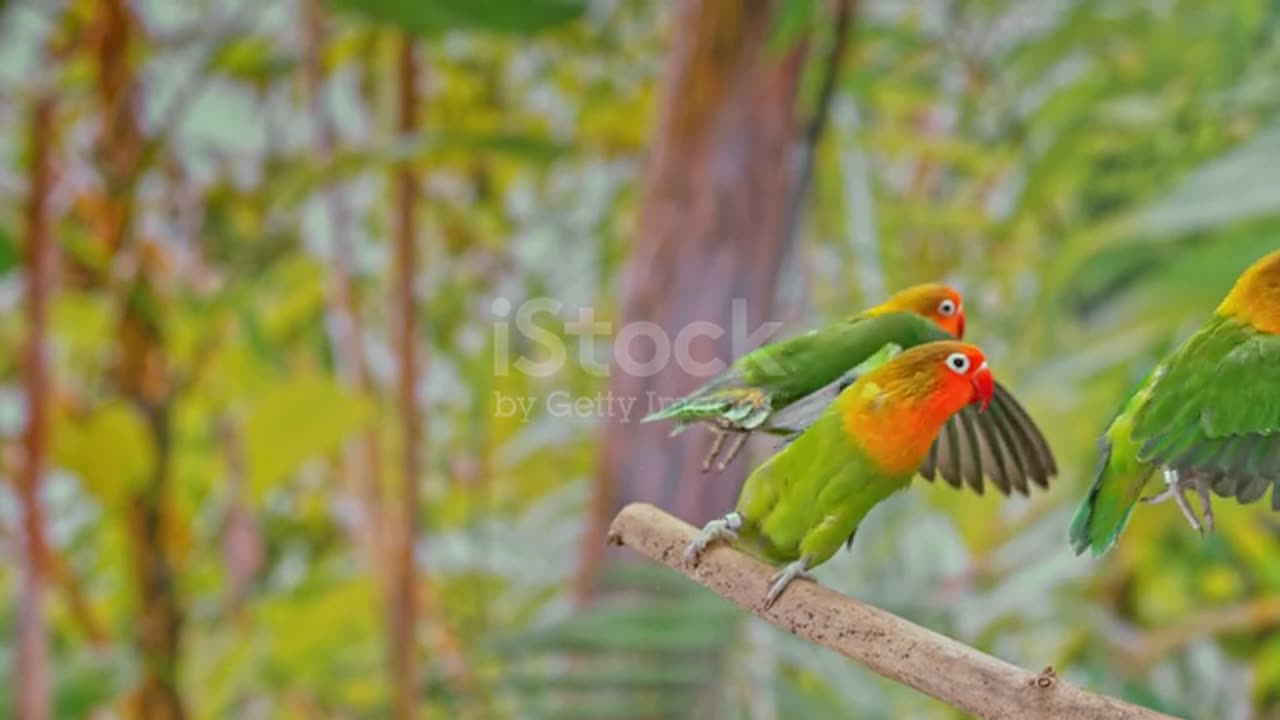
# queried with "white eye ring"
point(947, 307)
point(958, 363)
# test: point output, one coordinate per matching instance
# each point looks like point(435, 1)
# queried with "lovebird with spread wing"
point(1208, 418)
point(781, 387)
point(802, 504)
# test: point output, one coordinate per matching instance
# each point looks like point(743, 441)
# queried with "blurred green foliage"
point(1091, 174)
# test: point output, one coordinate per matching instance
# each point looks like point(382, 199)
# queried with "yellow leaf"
point(296, 421)
point(111, 450)
point(82, 323)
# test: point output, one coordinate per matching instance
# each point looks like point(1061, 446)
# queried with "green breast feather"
point(809, 498)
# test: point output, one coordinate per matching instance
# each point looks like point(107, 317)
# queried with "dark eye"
point(958, 362)
point(947, 307)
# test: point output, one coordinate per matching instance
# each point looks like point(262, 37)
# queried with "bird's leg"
point(1206, 517)
point(734, 449)
point(1177, 485)
point(715, 449)
point(725, 528)
point(779, 582)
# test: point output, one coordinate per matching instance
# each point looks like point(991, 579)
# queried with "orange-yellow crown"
point(1255, 299)
point(940, 303)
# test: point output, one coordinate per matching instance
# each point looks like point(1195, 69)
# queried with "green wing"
point(1215, 411)
point(775, 376)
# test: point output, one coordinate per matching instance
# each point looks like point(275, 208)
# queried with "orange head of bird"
point(970, 363)
point(941, 304)
point(896, 410)
point(1255, 299)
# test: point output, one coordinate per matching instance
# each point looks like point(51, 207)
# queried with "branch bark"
point(32, 696)
point(884, 643)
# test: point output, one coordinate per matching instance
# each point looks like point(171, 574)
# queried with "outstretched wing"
point(1216, 412)
point(1002, 445)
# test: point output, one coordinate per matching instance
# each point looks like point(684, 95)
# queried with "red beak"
point(983, 386)
point(960, 326)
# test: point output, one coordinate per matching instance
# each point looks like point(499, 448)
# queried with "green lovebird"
point(800, 505)
point(779, 388)
point(1208, 417)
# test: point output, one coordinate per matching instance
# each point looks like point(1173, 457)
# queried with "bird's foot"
point(734, 449)
point(725, 528)
point(1179, 484)
point(715, 449)
point(780, 581)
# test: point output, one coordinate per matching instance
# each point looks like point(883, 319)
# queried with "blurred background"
point(310, 400)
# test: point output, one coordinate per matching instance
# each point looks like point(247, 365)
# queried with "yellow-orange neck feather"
point(1255, 299)
point(894, 414)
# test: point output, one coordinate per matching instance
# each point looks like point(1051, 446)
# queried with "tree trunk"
point(712, 235)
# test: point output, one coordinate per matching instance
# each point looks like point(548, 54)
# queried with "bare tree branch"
point(843, 20)
point(403, 621)
point(1254, 616)
point(32, 696)
point(938, 666)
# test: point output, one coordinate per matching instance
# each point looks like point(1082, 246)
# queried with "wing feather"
point(1002, 445)
point(1215, 411)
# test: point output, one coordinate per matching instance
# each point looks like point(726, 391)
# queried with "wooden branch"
point(952, 672)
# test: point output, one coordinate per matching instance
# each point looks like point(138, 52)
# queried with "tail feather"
point(1104, 512)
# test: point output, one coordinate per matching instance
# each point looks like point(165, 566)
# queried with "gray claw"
point(725, 528)
point(1177, 485)
point(780, 581)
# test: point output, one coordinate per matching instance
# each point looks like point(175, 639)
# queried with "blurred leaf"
point(1243, 184)
point(82, 322)
point(323, 638)
point(795, 17)
point(110, 449)
point(436, 16)
point(649, 627)
point(252, 60)
point(91, 681)
point(10, 254)
point(297, 420)
point(300, 180)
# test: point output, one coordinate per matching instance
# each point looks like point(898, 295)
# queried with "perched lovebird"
point(762, 388)
point(801, 504)
point(1208, 417)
